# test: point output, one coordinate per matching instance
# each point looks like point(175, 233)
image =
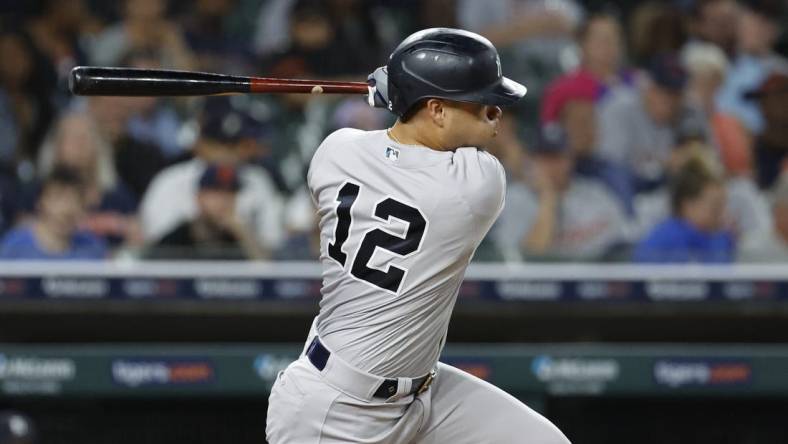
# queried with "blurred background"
point(158, 256)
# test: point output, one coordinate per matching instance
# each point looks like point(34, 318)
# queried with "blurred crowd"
point(653, 131)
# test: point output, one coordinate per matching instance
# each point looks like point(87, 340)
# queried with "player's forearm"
point(539, 239)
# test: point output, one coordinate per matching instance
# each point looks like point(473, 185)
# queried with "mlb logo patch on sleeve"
point(392, 154)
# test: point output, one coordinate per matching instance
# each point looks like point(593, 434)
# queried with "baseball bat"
point(102, 81)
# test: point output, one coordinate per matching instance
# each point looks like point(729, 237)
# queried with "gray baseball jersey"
point(398, 226)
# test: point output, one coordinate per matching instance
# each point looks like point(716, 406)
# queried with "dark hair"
point(689, 183)
point(407, 115)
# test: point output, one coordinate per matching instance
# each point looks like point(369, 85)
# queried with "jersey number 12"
point(390, 279)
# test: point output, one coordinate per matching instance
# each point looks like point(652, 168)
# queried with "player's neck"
point(413, 133)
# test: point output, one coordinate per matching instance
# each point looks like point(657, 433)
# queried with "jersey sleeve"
point(325, 155)
point(482, 183)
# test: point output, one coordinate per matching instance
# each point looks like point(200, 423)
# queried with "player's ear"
point(437, 111)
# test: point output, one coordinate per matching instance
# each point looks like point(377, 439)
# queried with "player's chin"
point(481, 143)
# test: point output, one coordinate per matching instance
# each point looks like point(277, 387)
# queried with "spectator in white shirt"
point(637, 129)
point(228, 136)
point(555, 214)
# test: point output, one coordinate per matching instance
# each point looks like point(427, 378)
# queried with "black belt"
point(318, 355)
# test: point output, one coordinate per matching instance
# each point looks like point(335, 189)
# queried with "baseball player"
point(401, 213)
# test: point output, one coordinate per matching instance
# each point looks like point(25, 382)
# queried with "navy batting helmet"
point(449, 64)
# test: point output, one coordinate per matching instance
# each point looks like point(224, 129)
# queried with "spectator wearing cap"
point(771, 146)
point(54, 231)
point(694, 232)
point(216, 232)
point(757, 30)
point(230, 136)
point(571, 101)
point(637, 130)
point(556, 214)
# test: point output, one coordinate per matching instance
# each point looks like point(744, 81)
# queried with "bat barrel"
point(92, 81)
point(103, 81)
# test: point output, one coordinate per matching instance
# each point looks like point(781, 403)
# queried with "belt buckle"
point(427, 382)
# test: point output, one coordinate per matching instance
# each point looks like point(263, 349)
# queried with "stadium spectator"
point(9, 198)
point(746, 210)
point(534, 36)
point(636, 130)
point(600, 40)
point(76, 144)
point(771, 245)
point(135, 161)
point(302, 241)
point(55, 31)
point(228, 136)
point(310, 51)
point(512, 22)
point(356, 30)
point(623, 129)
point(272, 35)
point(216, 44)
point(772, 144)
point(26, 88)
point(656, 28)
point(54, 231)
point(324, 43)
point(154, 120)
point(756, 34)
point(694, 232)
point(144, 28)
point(713, 22)
point(707, 65)
point(299, 124)
point(215, 232)
point(571, 101)
point(558, 215)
